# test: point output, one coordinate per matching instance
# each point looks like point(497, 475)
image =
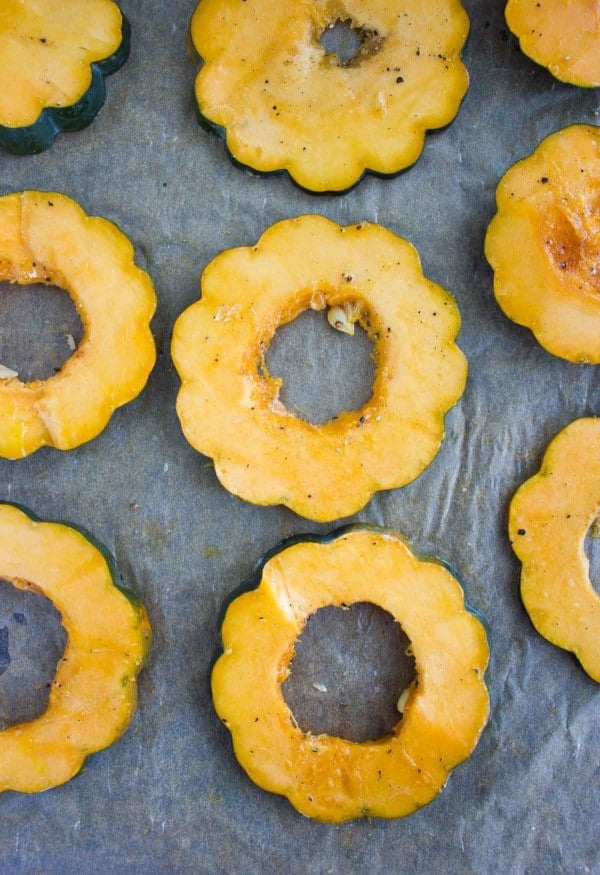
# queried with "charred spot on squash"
point(324, 776)
point(573, 242)
point(349, 672)
point(108, 638)
point(229, 405)
point(556, 509)
point(544, 243)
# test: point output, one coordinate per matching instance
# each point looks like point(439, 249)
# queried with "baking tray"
point(170, 797)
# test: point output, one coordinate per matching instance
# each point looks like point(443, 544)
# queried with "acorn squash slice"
point(325, 777)
point(54, 55)
point(228, 403)
point(562, 35)
point(544, 243)
point(550, 515)
point(94, 693)
point(283, 102)
point(45, 237)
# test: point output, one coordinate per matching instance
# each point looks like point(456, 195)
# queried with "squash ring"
point(550, 515)
point(46, 237)
point(54, 57)
point(562, 36)
point(325, 777)
point(228, 403)
point(284, 103)
point(94, 693)
point(544, 243)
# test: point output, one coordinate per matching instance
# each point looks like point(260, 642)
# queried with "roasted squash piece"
point(544, 243)
point(284, 102)
point(562, 35)
point(325, 777)
point(45, 237)
point(228, 403)
point(550, 516)
point(94, 693)
point(54, 55)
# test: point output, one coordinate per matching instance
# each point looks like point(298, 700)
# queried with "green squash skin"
point(254, 579)
point(38, 137)
point(212, 128)
point(108, 556)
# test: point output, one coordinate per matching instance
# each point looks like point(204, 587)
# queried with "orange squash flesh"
point(544, 243)
point(228, 404)
point(94, 693)
point(284, 103)
point(45, 237)
point(329, 778)
point(562, 35)
point(47, 48)
point(549, 518)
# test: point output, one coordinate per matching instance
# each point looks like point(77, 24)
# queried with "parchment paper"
point(170, 797)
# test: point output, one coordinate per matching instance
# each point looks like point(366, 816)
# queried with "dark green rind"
point(255, 578)
point(35, 138)
point(108, 556)
point(211, 128)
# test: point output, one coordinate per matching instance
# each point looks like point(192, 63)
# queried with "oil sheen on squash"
point(285, 103)
point(94, 693)
point(550, 516)
point(326, 777)
point(229, 405)
point(45, 237)
point(562, 36)
point(54, 55)
point(544, 243)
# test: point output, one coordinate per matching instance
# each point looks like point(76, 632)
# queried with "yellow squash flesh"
point(93, 696)
point(228, 404)
point(544, 243)
point(562, 35)
point(45, 237)
point(549, 519)
point(329, 778)
point(47, 48)
point(285, 103)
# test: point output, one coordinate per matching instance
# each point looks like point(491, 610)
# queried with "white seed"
point(7, 373)
point(71, 342)
point(342, 317)
point(404, 696)
point(320, 687)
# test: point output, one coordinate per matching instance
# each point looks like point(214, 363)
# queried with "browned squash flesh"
point(229, 405)
point(562, 35)
point(329, 778)
point(550, 516)
point(284, 102)
point(544, 243)
point(94, 693)
point(45, 237)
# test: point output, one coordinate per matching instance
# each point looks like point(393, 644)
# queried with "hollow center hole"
point(324, 371)
point(39, 329)
point(349, 670)
point(32, 641)
point(592, 549)
point(348, 44)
